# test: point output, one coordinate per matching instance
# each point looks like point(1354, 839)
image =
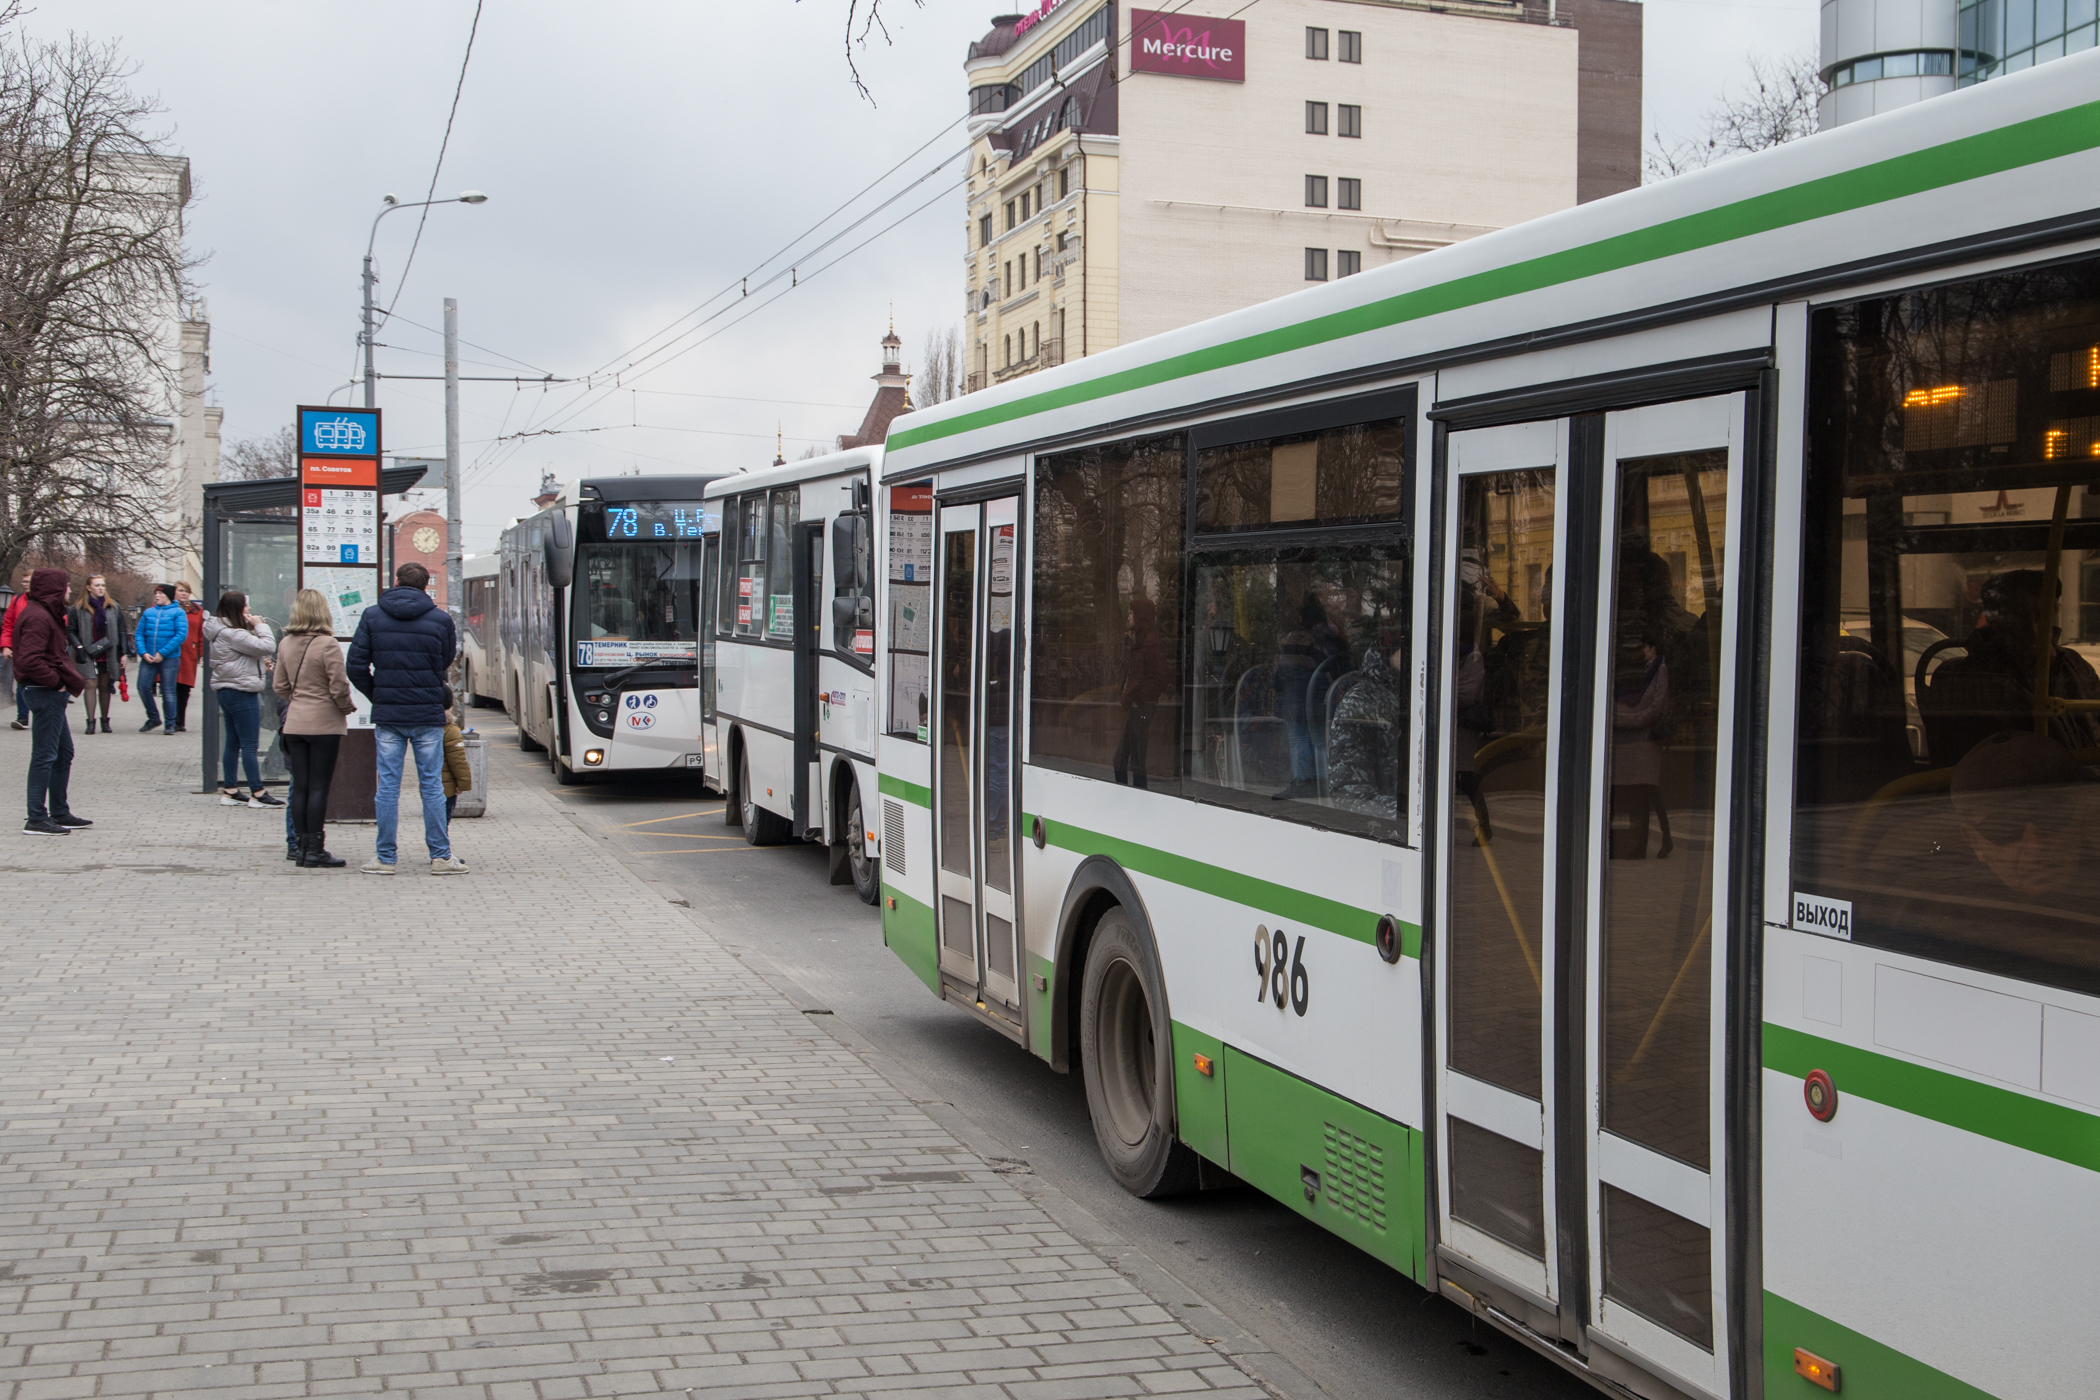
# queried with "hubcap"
point(856, 843)
point(746, 807)
point(1126, 1052)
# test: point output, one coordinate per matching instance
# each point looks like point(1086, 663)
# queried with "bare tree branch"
point(869, 14)
point(1779, 107)
point(273, 455)
point(940, 369)
point(93, 277)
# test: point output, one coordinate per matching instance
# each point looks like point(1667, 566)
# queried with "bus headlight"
point(594, 756)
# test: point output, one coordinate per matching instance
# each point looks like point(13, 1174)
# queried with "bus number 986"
point(1281, 969)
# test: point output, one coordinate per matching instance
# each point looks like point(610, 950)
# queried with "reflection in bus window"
point(1949, 706)
point(639, 592)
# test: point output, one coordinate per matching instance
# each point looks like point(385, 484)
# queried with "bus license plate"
point(692, 760)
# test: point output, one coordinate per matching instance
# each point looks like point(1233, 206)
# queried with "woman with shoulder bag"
point(98, 646)
point(238, 642)
point(311, 679)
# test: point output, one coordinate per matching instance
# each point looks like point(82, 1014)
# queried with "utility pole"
point(371, 279)
point(454, 584)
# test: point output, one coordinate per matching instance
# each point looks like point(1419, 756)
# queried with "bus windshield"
point(637, 602)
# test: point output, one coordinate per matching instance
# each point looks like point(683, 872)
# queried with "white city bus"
point(598, 608)
point(480, 646)
point(1541, 757)
point(789, 710)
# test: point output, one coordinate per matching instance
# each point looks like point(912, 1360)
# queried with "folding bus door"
point(1590, 617)
point(976, 565)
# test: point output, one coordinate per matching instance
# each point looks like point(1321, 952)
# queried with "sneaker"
point(16, 724)
point(72, 821)
point(170, 730)
point(147, 728)
point(450, 865)
point(33, 827)
point(232, 797)
point(259, 798)
point(376, 867)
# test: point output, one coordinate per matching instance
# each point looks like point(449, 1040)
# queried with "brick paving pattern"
point(528, 1134)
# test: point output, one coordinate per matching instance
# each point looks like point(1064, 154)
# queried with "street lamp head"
point(389, 200)
point(472, 197)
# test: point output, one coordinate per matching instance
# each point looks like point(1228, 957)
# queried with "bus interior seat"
point(1261, 741)
point(1864, 743)
point(1315, 691)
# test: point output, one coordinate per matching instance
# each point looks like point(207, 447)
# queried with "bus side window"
point(750, 590)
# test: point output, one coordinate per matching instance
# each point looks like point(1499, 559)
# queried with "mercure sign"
point(1188, 46)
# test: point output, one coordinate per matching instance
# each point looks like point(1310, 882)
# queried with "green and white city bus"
point(1573, 760)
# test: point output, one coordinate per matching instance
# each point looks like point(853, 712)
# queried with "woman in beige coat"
point(310, 676)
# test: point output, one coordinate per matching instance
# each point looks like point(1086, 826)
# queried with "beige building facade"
point(1133, 173)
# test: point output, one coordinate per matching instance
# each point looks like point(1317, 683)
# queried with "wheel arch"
point(841, 781)
point(1097, 886)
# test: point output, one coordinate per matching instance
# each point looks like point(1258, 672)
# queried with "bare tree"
point(868, 15)
point(1779, 107)
point(261, 458)
point(940, 370)
point(92, 276)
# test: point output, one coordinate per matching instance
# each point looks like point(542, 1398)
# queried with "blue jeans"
point(50, 751)
point(240, 717)
point(429, 742)
point(159, 673)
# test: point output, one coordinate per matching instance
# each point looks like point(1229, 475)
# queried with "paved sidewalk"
point(530, 1133)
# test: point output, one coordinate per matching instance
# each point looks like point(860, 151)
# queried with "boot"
point(317, 857)
point(105, 725)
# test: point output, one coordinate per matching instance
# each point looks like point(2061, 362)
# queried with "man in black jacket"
point(44, 672)
point(404, 645)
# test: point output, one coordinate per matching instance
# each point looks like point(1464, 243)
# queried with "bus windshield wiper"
point(612, 682)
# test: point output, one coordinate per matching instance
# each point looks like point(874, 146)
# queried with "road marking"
point(704, 812)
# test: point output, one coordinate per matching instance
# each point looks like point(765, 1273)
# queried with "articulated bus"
point(598, 608)
point(1571, 760)
point(479, 646)
point(787, 685)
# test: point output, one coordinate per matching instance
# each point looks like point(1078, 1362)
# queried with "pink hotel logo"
point(1188, 46)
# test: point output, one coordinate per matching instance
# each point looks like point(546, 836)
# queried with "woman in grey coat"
point(237, 643)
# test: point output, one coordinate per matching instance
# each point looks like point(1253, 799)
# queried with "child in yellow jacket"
point(458, 776)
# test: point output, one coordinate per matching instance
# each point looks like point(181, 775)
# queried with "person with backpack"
point(98, 646)
point(236, 642)
point(311, 679)
point(44, 669)
point(158, 640)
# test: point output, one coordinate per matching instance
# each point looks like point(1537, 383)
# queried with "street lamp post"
point(371, 278)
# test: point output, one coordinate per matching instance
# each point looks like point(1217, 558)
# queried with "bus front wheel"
point(1127, 1057)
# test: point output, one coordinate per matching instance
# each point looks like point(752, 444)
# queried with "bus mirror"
point(849, 616)
point(560, 541)
point(849, 553)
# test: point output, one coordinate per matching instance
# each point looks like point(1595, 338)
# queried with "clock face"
point(426, 540)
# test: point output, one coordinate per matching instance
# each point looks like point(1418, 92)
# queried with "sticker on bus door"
point(1830, 917)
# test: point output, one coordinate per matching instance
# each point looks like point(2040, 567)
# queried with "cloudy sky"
point(639, 158)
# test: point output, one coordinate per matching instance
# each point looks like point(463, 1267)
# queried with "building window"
point(1352, 46)
point(1316, 191)
point(1349, 120)
point(1008, 280)
point(1922, 64)
point(1006, 350)
point(1316, 264)
point(1064, 182)
point(1316, 118)
point(1349, 194)
point(1036, 335)
point(1009, 215)
point(1026, 196)
point(984, 230)
point(1348, 262)
point(1315, 43)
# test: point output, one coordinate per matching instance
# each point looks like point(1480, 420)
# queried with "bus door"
point(710, 746)
point(1589, 616)
point(976, 565)
point(806, 561)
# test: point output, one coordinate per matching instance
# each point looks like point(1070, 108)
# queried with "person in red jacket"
point(192, 653)
point(7, 648)
point(44, 668)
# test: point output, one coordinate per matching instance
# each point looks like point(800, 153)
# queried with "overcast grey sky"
point(638, 158)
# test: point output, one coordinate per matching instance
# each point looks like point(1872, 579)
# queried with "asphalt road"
point(1359, 1330)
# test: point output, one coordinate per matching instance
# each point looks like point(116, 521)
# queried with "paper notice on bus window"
point(909, 699)
point(1830, 917)
point(911, 616)
point(911, 548)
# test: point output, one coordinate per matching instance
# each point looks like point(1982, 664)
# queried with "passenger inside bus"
point(1990, 687)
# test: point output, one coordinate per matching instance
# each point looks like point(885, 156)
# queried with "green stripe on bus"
point(1869, 1370)
point(1967, 158)
point(1280, 900)
point(910, 792)
point(1988, 1111)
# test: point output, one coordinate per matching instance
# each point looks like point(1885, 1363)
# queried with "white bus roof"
point(1930, 185)
point(853, 459)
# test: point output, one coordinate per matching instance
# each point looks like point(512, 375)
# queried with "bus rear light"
point(594, 755)
point(1203, 1065)
point(1816, 1371)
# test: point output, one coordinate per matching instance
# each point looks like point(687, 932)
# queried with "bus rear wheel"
point(761, 828)
point(1127, 1058)
point(867, 880)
